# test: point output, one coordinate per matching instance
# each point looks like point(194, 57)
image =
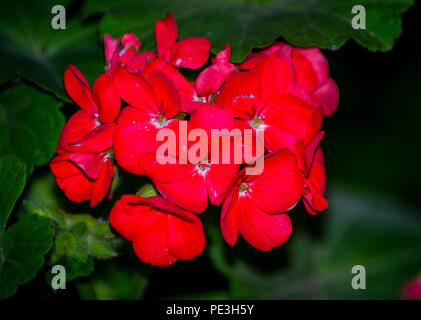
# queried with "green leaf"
point(99, 249)
point(65, 244)
point(248, 24)
point(147, 191)
point(79, 239)
point(31, 48)
point(379, 233)
point(12, 182)
point(30, 124)
point(45, 211)
point(75, 268)
point(22, 249)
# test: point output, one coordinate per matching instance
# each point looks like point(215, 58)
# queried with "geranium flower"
point(83, 176)
point(267, 99)
point(127, 55)
point(161, 232)
point(189, 184)
point(151, 106)
point(92, 128)
point(206, 85)
point(256, 206)
point(311, 68)
point(189, 52)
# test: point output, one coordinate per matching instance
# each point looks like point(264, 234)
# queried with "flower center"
point(256, 122)
point(202, 167)
point(243, 189)
point(159, 120)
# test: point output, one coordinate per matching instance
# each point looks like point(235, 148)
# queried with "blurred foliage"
point(22, 248)
point(32, 49)
point(381, 235)
point(30, 123)
point(248, 24)
point(13, 171)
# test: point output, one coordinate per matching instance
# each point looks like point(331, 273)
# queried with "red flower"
point(211, 79)
point(412, 290)
point(152, 105)
point(189, 184)
point(267, 99)
point(83, 176)
point(161, 232)
point(256, 205)
point(92, 128)
point(128, 55)
point(311, 69)
point(208, 82)
point(187, 53)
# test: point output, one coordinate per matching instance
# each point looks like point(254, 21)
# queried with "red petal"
point(211, 79)
point(127, 56)
point(139, 61)
point(292, 115)
point(209, 116)
point(219, 180)
point(163, 205)
point(328, 95)
point(189, 99)
point(110, 45)
point(280, 186)
point(263, 231)
point(189, 193)
point(79, 90)
point(311, 67)
point(165, 173)
point(115, 64)
point(190, 53)
point(275, 75)
point(151, 242)
point(107, 97)
point(166, 93)
point(230, 212)
point(165, 35)
point(309, 151)
point(103, 183)
point(77, 187)
point(186, 240)
point(135, 91)
point(316, 185)
point(78, 126)
point(98, 140)
point(134, 137)
point(271, 51)
point(127, 216)
point(240, 95)
point(89, 163)
point(130, 40)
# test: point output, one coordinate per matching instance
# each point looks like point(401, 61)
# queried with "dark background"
point(372, 153)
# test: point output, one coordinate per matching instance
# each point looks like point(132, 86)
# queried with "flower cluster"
point(280, 93)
